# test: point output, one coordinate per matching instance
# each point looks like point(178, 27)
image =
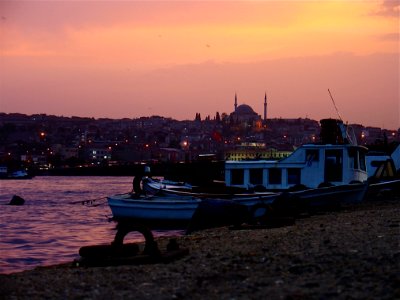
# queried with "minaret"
point(235, 102)
point(265, 108)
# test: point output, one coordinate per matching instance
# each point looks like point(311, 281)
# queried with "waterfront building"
point(255, 151)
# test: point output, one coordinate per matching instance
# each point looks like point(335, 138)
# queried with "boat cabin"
point(338, 162)
point(310, 165)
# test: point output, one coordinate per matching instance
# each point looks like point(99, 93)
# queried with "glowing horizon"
point(142, 58)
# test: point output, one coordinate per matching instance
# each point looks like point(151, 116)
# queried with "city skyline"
point(175, 59)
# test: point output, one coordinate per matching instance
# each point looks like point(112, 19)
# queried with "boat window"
point(294, 175)
point(312, 155)
point(333, 165)
point(353, 159)
point(237, 176)
point(275, 176)
point(362, 161)
point(256, 176)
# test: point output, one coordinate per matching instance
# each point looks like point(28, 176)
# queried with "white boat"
point(156, 212)
point(176, 210)
point(337, 161)
point(18, 174)
point(159, 205)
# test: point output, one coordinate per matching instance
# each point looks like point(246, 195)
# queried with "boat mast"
point(334, 104)
point(345, 131)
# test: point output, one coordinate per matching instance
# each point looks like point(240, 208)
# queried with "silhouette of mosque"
point(244, 114)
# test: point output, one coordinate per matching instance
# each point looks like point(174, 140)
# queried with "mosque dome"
point(244, 109)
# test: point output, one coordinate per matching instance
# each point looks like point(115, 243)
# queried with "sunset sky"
point(126, 59)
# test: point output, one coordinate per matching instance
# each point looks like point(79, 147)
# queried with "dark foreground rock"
point(349, 254)
point(16, 200)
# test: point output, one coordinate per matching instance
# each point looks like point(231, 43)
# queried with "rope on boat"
point(93, 204)
point(90, 202)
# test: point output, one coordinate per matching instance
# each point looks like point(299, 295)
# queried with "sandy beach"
point(353, 253)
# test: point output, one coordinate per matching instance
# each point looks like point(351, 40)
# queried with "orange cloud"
point(141, 52)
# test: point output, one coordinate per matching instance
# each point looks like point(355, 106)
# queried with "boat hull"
point(169, 212)
point(387, 188)
point(154, 212)
point(333, 195)
point(176, 211)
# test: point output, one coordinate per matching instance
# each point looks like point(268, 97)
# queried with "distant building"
point(254, 151)
point(98, 154)
point(171, 155)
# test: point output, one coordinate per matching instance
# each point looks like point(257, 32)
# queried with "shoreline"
point(351, 253)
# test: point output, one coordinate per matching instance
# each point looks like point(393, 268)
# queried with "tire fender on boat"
point(325, 184)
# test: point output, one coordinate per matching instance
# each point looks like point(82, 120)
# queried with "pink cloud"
point(365, 88)
point(394, 36)
point(388, 8)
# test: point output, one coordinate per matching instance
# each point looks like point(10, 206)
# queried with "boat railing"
point(174, 192)
point(351, 136)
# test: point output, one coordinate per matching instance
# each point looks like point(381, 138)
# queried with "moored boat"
point(153, 211)
point(336, 161)
point(160, 212)
point(177, 210)
point(18, 174)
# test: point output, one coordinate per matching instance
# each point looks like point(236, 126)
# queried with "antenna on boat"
point(351, 137)
point(334, 104)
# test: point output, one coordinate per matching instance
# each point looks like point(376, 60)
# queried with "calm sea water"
point(53, 224)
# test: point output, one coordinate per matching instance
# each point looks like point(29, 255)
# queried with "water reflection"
point(49, 229)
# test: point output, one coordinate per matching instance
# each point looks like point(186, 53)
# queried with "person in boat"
point(136, 183)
